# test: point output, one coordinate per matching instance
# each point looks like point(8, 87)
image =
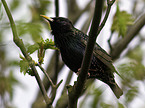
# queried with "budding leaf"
point(33, 48)
point(49, 44)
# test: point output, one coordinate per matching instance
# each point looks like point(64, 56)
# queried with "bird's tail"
point(116, 90)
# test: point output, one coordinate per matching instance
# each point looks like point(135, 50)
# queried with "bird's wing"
point(100, 53)
point(103, 56)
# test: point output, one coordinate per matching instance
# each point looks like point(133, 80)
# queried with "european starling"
point(72, 44)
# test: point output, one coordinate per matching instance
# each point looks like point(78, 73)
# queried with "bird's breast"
point(72, 52)
point(72, 58)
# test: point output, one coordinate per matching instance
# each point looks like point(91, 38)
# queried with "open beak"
point(48, 18)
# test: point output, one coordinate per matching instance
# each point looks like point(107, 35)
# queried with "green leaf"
point(41, 46)
point(121, 21)
point(33, 48)
point(33, 29)
point(24, 66)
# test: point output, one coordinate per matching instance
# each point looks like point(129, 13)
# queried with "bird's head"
point(59, 24)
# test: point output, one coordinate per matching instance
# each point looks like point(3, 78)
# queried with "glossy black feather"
point(72, 43)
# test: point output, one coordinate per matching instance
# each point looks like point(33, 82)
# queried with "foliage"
point(121, 22)
point(15, 4)
point(7, 84)
point(43, 44)
point(41, 47)
point(24, 66)
point(132, 71)
point(33, 29)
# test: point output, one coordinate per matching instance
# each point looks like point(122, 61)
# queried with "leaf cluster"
point(41, 47)
point(24, 66)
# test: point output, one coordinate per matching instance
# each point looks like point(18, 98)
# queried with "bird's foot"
point(79, 72)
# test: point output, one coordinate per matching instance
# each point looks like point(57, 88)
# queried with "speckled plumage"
point(72, 44)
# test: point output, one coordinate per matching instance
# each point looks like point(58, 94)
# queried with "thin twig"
point(109, 3)
point(50, 71)
point(47, 76)
point(109, 41)
point(54, 91)
point(57, 8)
point(20, 44)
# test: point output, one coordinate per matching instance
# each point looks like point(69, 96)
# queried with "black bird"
point(72, 44)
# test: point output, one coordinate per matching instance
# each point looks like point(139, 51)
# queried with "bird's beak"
point(48, 18)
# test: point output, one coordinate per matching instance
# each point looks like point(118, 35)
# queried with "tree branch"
point(56, 52)
point(20, 44)
point(47, 76)
point(109, 3)
point(77, 89)
point(122, 44)
point(63, 100)
point(50, 70)
point(56, 8)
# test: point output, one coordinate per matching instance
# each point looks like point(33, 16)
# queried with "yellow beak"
point(48, 18)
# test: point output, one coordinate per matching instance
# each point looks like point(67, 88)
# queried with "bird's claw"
point(79, 72)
